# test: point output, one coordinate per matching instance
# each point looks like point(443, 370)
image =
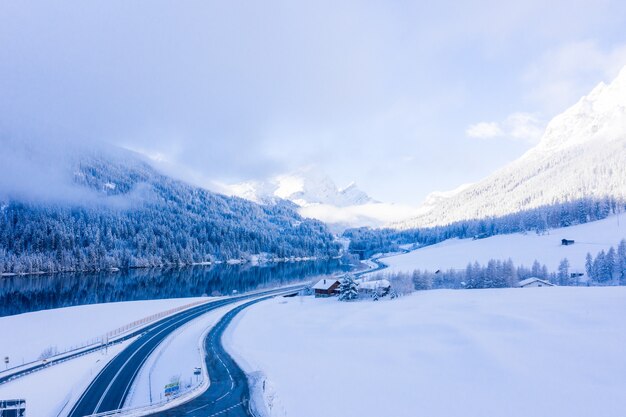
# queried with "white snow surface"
point(541, 352)
point(64, 328)
point(523, 249)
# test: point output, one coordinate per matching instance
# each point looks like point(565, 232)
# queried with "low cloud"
point(484, 130)
point(517, 126)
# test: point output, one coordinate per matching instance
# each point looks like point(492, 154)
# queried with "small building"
point(566, 242)
point(381, 287)
point(326, 287)
point(480, 236)
point(534, 282)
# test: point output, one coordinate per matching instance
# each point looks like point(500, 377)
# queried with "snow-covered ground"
point(523, 249)
point(541, 352)
point(47, 391)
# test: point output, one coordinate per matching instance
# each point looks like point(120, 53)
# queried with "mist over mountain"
point(582, 154)
point(64, 206)
point(319, 197)
point(304, 187)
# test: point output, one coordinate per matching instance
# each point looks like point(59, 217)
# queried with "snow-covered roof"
point(325, 283)
point(372, 285)
point(531, 280)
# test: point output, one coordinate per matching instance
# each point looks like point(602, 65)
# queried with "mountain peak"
point(304, 187)
point(598, 116)
point(582, 154)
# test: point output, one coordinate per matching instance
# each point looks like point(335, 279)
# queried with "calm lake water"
point(38, 292)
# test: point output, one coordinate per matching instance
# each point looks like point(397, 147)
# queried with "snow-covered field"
point(523, 249)
point(541, 352)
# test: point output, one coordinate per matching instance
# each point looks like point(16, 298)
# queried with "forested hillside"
point(366, 241)
point(133, 216)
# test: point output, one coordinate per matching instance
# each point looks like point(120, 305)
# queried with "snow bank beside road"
point(540, 352)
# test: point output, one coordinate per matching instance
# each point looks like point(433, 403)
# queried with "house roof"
point(533, 279)
point(325, 283)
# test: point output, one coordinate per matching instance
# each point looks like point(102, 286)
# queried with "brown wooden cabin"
point(326, 287)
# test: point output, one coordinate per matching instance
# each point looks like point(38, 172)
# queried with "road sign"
point(171, 389)
point(13, 408)
point(197, 371)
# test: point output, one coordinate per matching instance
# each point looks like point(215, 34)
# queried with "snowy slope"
point(523, 249)
point(541, 352)
point(581, 154)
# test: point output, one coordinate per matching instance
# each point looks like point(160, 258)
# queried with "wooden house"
point(326, 287)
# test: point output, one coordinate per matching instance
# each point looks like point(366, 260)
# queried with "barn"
point(567, 242)
point(326, 287)
point(534, 282)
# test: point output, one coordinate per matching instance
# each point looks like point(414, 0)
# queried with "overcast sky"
point(402, 97)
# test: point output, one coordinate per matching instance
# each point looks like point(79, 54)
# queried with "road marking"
point(172, 322)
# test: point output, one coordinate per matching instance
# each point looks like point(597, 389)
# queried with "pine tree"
point(589, 266)
point(348, 289)
point(564, 278)
point(609, 264)
point(621, 261)
point(598, 266)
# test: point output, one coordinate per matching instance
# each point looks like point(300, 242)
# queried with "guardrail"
point(110, 338)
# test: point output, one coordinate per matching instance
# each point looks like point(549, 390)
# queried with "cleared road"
point(109, 390)
point(228, 394)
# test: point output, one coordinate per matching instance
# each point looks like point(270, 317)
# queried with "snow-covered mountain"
point(103, 207)
point(304, 187)
point(581, 154)
point(318, 197)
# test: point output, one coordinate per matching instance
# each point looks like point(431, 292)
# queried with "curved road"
point(228, 393)
point(109, 389)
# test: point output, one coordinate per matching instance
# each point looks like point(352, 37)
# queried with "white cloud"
point(524, 126)
point(484, 130)
point(517, 126)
